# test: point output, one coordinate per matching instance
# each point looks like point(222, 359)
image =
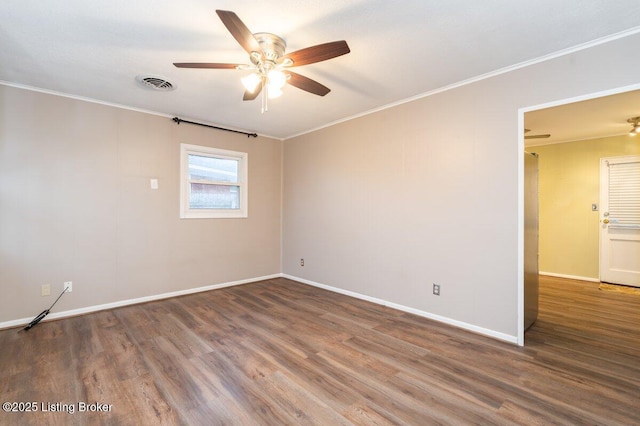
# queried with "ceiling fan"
point(545, 136)
point(269, 63)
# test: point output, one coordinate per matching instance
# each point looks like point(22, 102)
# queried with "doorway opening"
point(581, 125)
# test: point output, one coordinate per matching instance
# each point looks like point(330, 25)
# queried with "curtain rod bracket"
point(180, 120)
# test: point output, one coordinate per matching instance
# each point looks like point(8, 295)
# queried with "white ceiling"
point(399, 50)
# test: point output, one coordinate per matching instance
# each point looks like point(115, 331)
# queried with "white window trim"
point(243, 166)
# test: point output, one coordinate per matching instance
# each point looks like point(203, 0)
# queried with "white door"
point(620, 220)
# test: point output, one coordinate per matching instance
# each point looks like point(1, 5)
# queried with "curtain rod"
point(180, 120)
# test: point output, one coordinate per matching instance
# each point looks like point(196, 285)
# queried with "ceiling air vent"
point(155, 82)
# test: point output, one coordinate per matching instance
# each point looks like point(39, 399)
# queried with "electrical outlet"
point(45, 290)
point(436, 289)
point(69, 286)
point(301, 262)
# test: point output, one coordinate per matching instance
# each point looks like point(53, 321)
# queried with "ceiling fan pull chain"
point(265, 97)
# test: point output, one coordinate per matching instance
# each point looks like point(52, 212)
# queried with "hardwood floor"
point(280, 352)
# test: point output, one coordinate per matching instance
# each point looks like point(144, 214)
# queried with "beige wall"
point(569, 184)
point(384, 205)
point(427, 192)
point(76, 205)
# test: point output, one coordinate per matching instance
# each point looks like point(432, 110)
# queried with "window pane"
point(213, 169)
point(205, 196)
point(213, 183)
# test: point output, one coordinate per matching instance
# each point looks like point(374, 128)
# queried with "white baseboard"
point(470, 327)
point(572, 277)
point(73, 312)
point(96, 308)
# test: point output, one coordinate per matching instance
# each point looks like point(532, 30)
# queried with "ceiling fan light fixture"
point(277, 79)
point(274, 92)
point(251, 82)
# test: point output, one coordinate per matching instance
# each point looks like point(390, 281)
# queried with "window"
point(213, 182)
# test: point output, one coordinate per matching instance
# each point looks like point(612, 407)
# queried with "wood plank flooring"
point(279, 352)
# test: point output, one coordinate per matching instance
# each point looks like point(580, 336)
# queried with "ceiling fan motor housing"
point(272, 46)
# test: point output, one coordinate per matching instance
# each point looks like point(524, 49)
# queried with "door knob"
point(605, 221)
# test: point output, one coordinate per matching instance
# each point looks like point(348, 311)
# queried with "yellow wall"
point(569, 184)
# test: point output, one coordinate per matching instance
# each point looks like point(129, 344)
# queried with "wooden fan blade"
point(239, 31)
point(318, 53)
point(205, 65)
point(249, 96)
point(306, 84)
point(538, 136)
